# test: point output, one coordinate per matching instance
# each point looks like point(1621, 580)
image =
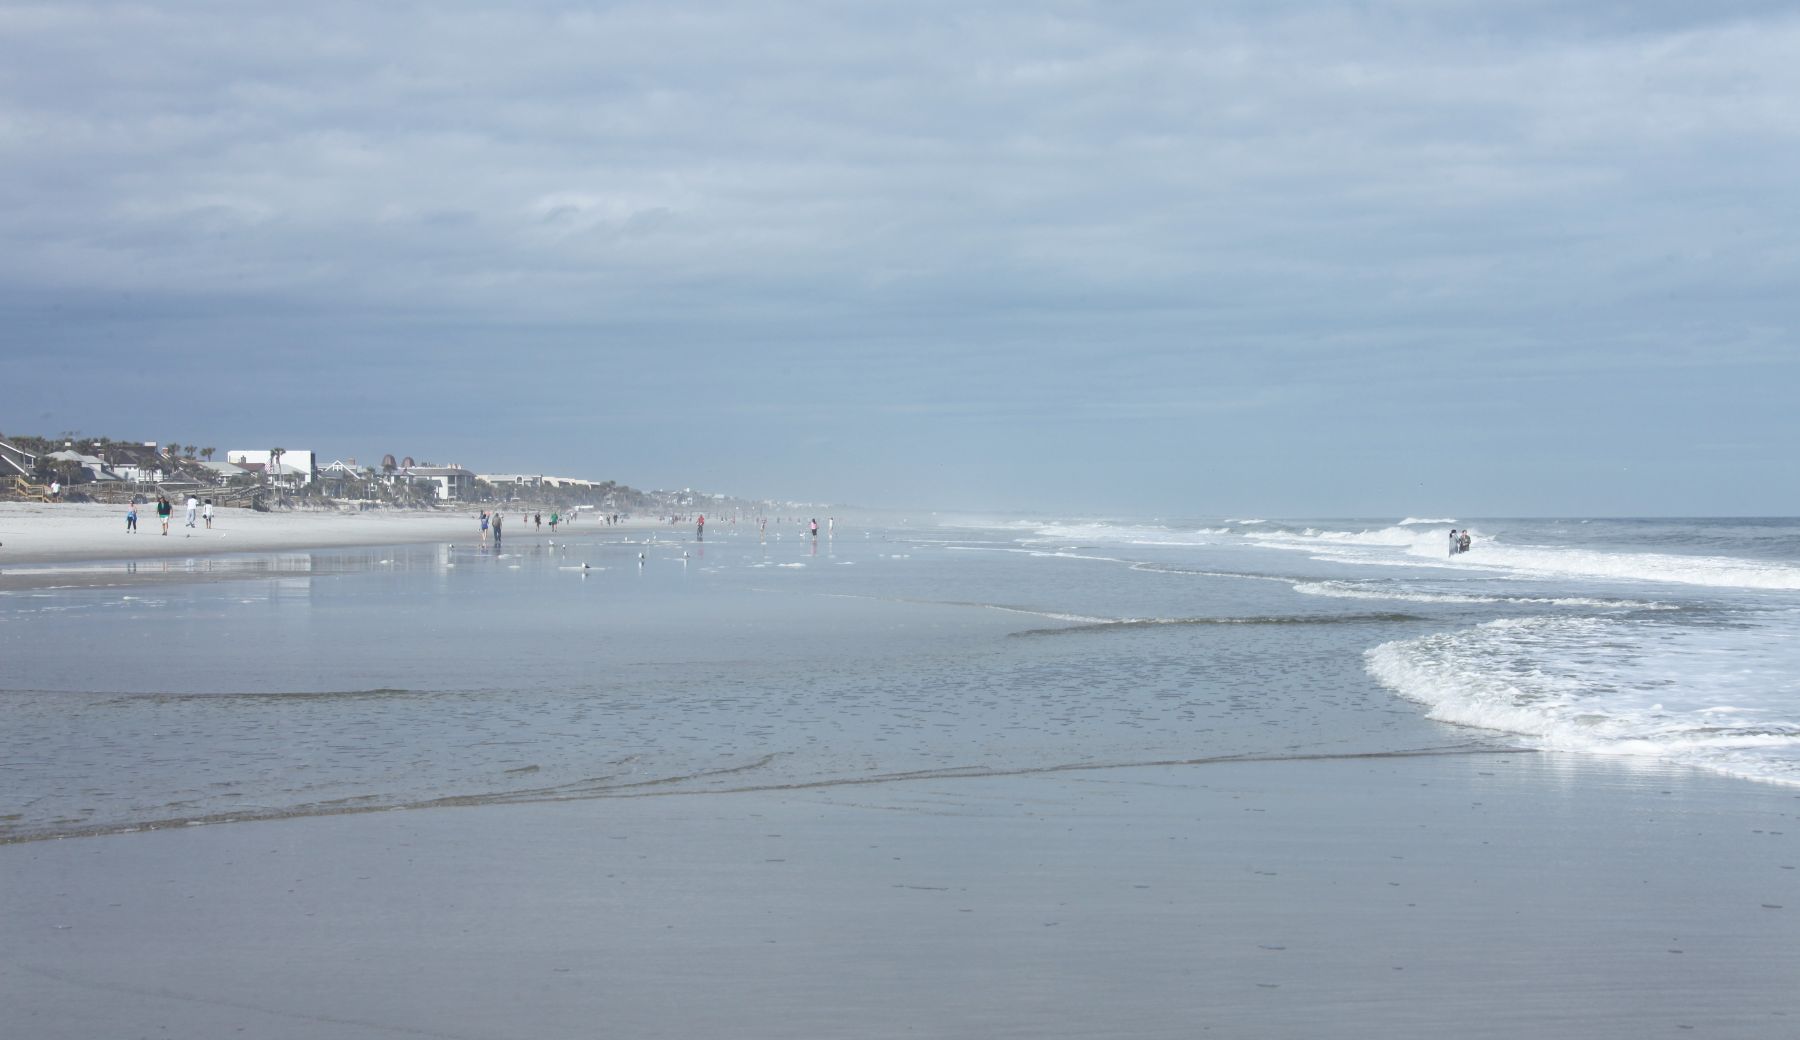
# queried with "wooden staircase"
point(31, 492)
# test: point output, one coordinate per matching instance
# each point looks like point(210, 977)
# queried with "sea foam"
point(1718, 697)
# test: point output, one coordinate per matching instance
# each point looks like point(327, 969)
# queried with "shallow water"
point(410, 675)
point(342, 681)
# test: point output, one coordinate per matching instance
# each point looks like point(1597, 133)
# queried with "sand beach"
point(39, 532)
point(86, 543)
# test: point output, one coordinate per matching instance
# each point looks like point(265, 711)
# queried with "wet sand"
point(1462, 895)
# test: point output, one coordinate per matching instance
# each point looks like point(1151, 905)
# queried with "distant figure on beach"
point(56, 491)
point(497, 519)
point(164, 509)
point(537, 522)
point(206, 511)
point(193, 510)
point(484, 526)
point(815, 527)
point(131, 518)
point(1462, 544)
point(553, 519)
point(1454, 543)
point(700, 528)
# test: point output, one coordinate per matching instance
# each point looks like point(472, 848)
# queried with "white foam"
point(1411, 520)
point(1708, 571)
point(1413, 546)
point(1720, 697)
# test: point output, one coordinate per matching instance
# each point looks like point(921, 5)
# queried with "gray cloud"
point(919, 215)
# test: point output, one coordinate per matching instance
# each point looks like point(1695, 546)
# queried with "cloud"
point(1247, 194)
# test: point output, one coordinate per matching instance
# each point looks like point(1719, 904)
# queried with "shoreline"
point(34, 533)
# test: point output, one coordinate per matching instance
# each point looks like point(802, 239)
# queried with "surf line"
point(1112, 625)
point(583, 790)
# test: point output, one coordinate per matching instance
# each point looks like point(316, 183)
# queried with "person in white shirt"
point(193, 509)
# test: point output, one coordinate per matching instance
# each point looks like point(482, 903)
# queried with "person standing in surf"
point(1454, 542)
point(700, 528)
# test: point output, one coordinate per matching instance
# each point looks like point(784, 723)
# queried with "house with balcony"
point(449, 483)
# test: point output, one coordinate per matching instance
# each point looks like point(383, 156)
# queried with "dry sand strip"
point(64, 533)
point(50, 533)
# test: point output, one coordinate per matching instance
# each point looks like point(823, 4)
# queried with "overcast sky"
point(1382, 258)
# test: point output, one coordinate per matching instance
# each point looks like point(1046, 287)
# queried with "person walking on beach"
point(553, 519)
point(163, 511)
point(815, 528)
point(484, 526)
point(131, 518)
point(537, 522)
point(206, 511)
point(497, 519)
point(193, 510)
point(700, 528)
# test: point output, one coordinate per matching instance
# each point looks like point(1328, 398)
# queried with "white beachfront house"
point(449, 482)
point(514, 483)
point(511, 485)
point(295, 467)
point(141, 463)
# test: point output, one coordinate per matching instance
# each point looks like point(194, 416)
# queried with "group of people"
point(165, 509)
point(1459, 541)
point(494, 522)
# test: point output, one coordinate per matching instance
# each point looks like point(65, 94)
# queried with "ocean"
point(608, 663)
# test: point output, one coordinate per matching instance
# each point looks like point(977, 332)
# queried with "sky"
point(1414, 257)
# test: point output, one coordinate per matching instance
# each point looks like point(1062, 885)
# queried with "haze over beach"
point(1305, 539)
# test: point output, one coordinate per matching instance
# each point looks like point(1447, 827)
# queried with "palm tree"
point(275, 455)
point(172, 449)
point(188, 450)
point(207, 453)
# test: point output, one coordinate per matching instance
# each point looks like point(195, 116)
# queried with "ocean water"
point(1676, 641)
point(610, 664)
